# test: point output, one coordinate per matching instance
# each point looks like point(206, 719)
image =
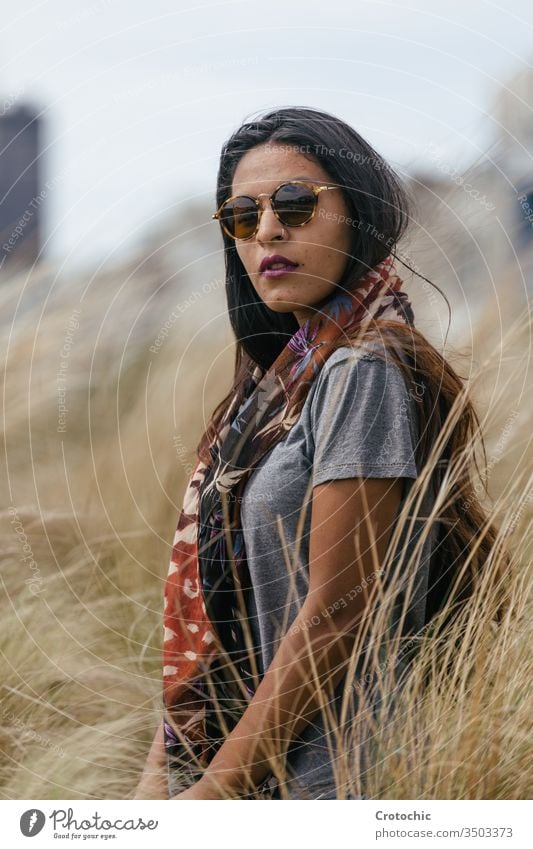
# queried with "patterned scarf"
point(210, 667)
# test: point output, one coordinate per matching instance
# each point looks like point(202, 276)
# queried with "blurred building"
point(514, 113)
point(473, 227)
point(21, 198)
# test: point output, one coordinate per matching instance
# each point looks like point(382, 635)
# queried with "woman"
point(289, 528)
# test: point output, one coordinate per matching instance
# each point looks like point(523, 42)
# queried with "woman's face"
point(321, 247)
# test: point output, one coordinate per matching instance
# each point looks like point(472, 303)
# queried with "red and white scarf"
point(203, 634)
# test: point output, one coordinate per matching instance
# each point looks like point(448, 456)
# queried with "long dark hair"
point(375, 196)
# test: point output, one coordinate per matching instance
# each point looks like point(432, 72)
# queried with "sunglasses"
point(293, 202)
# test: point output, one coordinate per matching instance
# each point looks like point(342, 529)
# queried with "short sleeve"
point(362, 419)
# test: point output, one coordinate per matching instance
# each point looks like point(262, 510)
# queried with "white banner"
point(352, 824)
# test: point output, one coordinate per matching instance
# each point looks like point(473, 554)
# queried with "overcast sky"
point(138, 97)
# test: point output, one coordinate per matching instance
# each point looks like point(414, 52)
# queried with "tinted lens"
point(239, 217)
point(294, 204)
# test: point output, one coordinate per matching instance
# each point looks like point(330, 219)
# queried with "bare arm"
point(345, 551)
point(153, 783)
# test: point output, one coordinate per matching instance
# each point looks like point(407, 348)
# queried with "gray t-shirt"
point(358, 420)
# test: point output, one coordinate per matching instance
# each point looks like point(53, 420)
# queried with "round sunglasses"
point(293, 202)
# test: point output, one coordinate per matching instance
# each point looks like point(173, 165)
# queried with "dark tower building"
point(20, 197)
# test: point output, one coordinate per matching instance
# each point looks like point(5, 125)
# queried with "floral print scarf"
point(209, 664)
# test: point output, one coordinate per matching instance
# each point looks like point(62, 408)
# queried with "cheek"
point(329, 234)
point(341, 242)
point(245, 258)
point(339, 235)
point(331, 245)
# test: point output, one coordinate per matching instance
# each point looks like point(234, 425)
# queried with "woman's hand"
point(153, 784)
point(207, 788)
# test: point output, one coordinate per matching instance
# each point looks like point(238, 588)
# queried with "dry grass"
point(96, 507)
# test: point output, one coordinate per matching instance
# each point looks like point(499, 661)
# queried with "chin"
point(279, 306)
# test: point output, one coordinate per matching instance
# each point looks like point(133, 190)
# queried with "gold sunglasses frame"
point(314, 188)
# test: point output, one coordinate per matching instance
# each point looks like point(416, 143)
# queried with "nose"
point(270, 227)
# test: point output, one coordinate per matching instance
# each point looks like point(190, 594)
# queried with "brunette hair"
point(375, 195)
